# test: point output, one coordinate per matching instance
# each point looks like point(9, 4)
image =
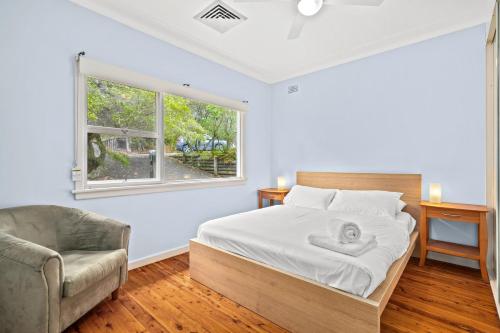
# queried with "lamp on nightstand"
point(435, 193)
point(281, 182)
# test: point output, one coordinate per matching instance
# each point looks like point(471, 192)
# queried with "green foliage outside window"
point(120, 106)
point(116, 105)
point(179, 121)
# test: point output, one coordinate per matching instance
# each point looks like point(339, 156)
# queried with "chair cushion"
point(84, 268)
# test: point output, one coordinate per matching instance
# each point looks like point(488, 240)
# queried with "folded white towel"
point(343, 231)
point(354, 249)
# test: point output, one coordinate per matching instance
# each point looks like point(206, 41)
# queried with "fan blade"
point(297, 25)
point(354, 2)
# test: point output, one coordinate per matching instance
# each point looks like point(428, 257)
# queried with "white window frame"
point(85, 189)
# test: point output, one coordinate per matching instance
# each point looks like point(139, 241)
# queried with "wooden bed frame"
point(296, 303)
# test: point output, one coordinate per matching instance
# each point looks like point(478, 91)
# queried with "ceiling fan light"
point(309, 7)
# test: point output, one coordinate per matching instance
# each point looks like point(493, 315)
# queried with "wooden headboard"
point(408, 184)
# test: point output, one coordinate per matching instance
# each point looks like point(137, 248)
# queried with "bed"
point(285, 294)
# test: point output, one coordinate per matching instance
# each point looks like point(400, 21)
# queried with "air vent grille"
point(220, 16)
point(293, 89)
point(219, 12)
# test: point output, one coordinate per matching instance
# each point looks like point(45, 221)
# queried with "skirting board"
point(157, 257)
point(493, 284)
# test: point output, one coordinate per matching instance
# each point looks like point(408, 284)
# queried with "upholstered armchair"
point(56, 264)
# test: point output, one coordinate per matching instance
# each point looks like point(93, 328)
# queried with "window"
point(200, 140)
point(121, 132)
point(137, 134)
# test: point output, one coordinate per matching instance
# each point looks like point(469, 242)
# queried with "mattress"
point(277, 236)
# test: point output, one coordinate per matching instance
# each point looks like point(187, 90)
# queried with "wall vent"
point(293, 89)
point(220, 16)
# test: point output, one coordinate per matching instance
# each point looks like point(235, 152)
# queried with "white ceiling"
point(259, 47)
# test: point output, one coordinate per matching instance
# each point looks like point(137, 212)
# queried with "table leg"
point(260, 200)
point(483, 245)
point(423, 236)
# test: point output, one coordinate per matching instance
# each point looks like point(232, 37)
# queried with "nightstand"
point(272, 194)
point(452, 212)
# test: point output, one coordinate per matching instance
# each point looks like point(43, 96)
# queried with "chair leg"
point(114, 294)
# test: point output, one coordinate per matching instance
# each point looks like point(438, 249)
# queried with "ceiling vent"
point(220, 16)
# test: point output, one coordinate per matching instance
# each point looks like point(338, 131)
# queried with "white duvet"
point(277, 236)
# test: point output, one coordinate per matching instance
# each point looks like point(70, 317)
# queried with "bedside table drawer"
point(273, 196)
point(453, 214)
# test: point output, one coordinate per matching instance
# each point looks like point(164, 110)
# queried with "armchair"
point(57, 263)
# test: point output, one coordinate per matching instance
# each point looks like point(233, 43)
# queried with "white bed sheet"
point(277, 236)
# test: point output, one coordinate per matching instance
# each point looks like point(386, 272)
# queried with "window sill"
point(116, 191)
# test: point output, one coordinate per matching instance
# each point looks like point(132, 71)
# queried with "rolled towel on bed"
point(344, 231)
point(355, 249)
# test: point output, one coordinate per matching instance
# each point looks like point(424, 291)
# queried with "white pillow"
point(373, 203)
point(401, 205)
point(406, 220)
point(309, 197)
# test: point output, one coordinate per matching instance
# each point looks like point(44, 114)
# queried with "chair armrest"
point(24, 252)
point(93, 232)
point(30, 286)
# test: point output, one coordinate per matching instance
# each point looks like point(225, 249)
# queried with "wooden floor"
point(162, 298)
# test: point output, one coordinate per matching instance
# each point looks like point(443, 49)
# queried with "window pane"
point(111, 104)
point(119, 158)
point(200, 139)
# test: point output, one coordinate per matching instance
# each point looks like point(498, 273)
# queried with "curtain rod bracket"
point(79, 55)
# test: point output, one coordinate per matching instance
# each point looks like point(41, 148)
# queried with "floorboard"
point(162, 298)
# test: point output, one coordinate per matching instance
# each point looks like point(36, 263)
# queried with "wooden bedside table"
point(272, 194)
point(452, 212)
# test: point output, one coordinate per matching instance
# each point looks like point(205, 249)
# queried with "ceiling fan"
point(308, 8)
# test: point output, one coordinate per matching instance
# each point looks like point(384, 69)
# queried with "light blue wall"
point(39, 40)
point(416, 109)
point(419, 109)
